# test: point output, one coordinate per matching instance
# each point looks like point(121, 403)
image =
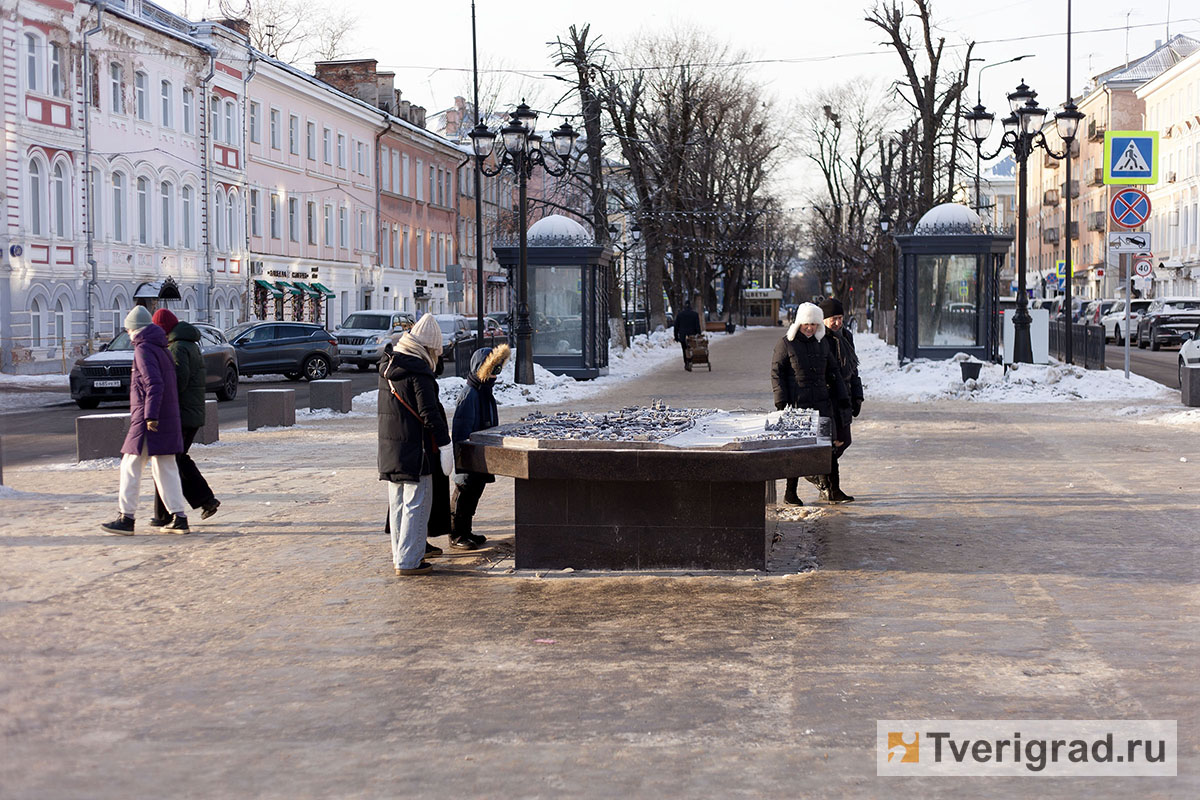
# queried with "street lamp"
point(979, 108)
point(1023, 134)
point(518, 147)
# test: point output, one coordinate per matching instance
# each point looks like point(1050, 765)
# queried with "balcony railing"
point(1050, 198)
point(1095, 220)
point(1074, 229)
point(1097, 177)
point(1074, 188)
point(1051, 235)
point(1049, 161)
point(1095, 132)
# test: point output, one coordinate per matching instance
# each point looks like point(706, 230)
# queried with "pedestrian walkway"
point(1001, 561)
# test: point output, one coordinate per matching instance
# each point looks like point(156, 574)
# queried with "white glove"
point(446, 454)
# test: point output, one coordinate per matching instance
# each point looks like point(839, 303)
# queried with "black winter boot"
point(789, 496)
point(122, 526)
point(833, 490)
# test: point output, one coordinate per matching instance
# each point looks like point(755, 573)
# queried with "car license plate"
point(106, 384)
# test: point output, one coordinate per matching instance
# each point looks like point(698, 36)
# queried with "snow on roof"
point(556, 226)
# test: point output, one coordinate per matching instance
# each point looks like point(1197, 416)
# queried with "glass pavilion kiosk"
point(946, 286)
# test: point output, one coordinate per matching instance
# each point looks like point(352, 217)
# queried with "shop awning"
point(276, 293)
point(322, 288)
point(497, 279)
point(289, 287)
point(304, 287)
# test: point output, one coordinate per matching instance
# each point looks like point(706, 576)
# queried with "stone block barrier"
point(331, 393)
point(270, 408)
point(100, 435)
point(211, 432)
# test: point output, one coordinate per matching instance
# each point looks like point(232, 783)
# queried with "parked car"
point(501, 321)
point(1096, 309)
point(104, 376)
point(1114, 320)
point(457, 328)
point(1165, 321)
point(362, 336)
point(1189, 353)
point(1057, 307)
point(295, 349)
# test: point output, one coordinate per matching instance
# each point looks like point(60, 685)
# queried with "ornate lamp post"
point(1023, 134)
point(518, 147)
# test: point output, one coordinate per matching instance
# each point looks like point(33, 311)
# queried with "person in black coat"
point(476, 411)
point(841, 343)
point(686, 324)
point(805, 374)
point(413, 440)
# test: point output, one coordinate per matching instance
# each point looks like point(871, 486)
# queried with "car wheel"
point(229, 387)
point(88, 403)
point(1140, 341)
point(363, 366)
point(316, 368)
point(1154, 345)
point(292, 376)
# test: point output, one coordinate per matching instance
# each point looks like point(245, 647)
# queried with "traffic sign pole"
point(1127, 261)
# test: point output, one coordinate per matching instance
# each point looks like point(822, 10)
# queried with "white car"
point(1189, 353)
point(1114, 320)
point(364, 334)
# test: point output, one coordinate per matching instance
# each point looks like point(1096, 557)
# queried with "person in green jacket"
point(183, 341)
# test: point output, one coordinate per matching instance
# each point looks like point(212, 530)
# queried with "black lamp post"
point(521, 149)
point(1023, 134)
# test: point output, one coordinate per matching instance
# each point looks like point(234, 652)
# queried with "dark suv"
point(104, 376)
point(295, 349)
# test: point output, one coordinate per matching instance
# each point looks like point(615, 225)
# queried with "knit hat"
point(832, 307)
point(807, 314)
point(164, 319)
point(427, 333)
point(137, 318)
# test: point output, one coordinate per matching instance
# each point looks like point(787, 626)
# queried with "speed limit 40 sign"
point(1143, 267)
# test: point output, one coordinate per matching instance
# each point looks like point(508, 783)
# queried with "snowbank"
point(8, 381)
point(924, 380)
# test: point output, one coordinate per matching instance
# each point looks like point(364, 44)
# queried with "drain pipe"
point(89, 228)
point(205, 140)
point(387, 126)
point(246, 180)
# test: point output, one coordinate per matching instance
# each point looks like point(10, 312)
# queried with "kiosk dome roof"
point(949, 218)
point(556, 226)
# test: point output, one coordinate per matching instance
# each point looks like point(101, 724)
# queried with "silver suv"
point(363, 335)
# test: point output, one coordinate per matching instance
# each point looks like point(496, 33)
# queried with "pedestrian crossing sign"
point(1131, 157)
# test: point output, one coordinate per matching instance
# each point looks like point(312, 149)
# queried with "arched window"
point(141, 94)
point(143, 211)
point(230, 126)
point(167, 193)
point(96, 204)
point(37, 198)
point(188, 238)
point(62, 322)
point(33, 63)
point(168, 120)
point(58, 200)
point(58, 75)
point(118, 206)
point(37, 323)
point(117, 309)
point(219, 219)
point(231, 223)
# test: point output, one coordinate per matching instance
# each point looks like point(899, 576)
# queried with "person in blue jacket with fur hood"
point(476, 411)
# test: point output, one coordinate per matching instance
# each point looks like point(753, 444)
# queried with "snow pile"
point(1189, 417)
point(923, 380)
point(643, 354)
point(8, 381)
point(24, 401)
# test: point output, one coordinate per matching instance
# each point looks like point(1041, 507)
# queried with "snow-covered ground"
point(8, 381)
point(924, 380)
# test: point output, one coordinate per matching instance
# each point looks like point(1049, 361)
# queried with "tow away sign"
point(1130, 242)
point(1131, 157)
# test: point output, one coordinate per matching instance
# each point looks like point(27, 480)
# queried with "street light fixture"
point(521, 150)
point(1023, 134)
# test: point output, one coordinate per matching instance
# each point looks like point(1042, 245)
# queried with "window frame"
point(141, 95)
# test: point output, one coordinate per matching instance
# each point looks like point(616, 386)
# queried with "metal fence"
point(1087, 343)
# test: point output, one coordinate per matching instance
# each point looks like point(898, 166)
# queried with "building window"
point(274, 216)
point(141, 94)
point(37, 198)
point(312, 222)
point(231, 136)
point(231, 226)
point(33, 63)
point(62, 316)
point(294, 135)
point(395, 172)
point(118, 204)
point(219, 220)
point(58, 82)
point(407, 189)
point(255, 132)
point(362, 230)
point(189, 111)
point(311, 141)
point(167, 192)
point(419, 244)
point(188, 239)
point(293, 219)
point(343, 228)
point(36, 315)
point(341, 151)
point(420, 169)
point(255, 229)
point(165, 92)
point(275, 129)
point(359, 161)
point(404, 261)
point(327, 145)
point(58, 200)
point(328, 240)
point(143, 205)
point(385, 177)
point(214, 118)
point(94, 206)
point(116, 78)
point(432, 184)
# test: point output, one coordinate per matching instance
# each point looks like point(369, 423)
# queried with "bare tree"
point(294, 30)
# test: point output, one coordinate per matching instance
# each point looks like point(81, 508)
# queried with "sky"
point(804, 45)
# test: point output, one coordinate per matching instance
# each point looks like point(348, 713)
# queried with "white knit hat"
point(427, 333)
point(808, 314)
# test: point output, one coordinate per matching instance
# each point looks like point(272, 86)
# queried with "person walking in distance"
point(841, 342)
point(154, 429)
point(183, 340)
point(413, 435)
point(686, 324)
point(805, 374)
point(476, 411)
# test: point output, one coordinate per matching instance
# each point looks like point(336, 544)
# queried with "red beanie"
point(164, 319)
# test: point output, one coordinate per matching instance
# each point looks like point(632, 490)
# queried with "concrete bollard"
point(1191, 386)
point(270, 408)
point(333, 393)
point(100, 435)
point(211, 432)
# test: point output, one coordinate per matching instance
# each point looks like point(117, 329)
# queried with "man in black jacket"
point(841, 342)
point(686, 324)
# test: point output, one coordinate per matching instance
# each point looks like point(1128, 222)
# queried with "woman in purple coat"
point(154, 429)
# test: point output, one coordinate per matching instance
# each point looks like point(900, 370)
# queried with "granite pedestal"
point(331, 393)
point(100, 435)
point(1190, 386)
point(640, 505)
point(270, 408)
point(211, 432)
